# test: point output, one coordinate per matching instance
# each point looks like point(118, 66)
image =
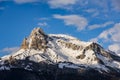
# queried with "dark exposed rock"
point(24, 44)
point(71, 45)
point(36, 40)
point(97, 49)
point(82, 56)
point(98, 60)
point(26, 69)
point(52, 72)
point(18, 74)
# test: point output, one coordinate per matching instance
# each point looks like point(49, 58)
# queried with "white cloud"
point(111, 35)
point(61, 3)
point(116, 5)
point(73, 20)
point(42, 24)
point(75, 4)
point(105, 5)
point(92, 11)
point(100, 3)
point(25, 1)
point(95, 26)
point(43, 19)
point(94, 40)
point(9, 50)
point(114, 47)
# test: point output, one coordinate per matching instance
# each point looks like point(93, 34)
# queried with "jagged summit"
point(36, 40)
point(37, 32)
point(63, 50)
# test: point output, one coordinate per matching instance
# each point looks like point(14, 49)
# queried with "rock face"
point(36, 40)
point(45, 71)
point(98, 50)
point(24, 44)
point(59, 57)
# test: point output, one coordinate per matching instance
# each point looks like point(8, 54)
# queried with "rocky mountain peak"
point(58, 53)
point(37, 32)
point(37, 40)
point(98, 49)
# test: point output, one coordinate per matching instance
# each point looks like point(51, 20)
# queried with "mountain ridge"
point(61, 52)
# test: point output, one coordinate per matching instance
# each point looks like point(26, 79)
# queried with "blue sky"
point(88, 20)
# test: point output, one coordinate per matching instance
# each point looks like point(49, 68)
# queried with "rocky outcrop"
point(82, 56)
point(71, 45)
point(57, 63)
point(37, 40)
point(53, 72)
point(24, 44)
point(97, 49)
point(94, 46)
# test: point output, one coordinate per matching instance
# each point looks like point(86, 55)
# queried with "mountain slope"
point(61, 52)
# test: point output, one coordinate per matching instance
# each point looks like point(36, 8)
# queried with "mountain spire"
point(37, 32)
point(24, 44)
point(37, 40)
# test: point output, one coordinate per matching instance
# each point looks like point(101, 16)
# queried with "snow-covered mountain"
point(61, 50)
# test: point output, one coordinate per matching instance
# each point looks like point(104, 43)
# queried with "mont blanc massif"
point(59, 57)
